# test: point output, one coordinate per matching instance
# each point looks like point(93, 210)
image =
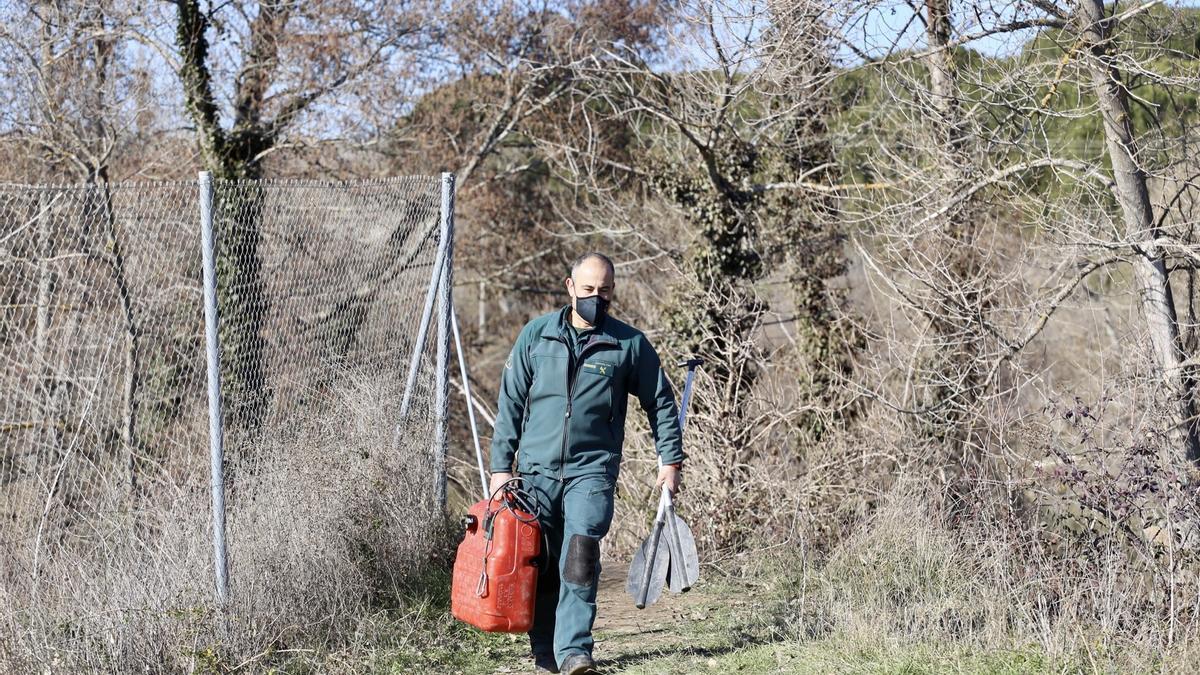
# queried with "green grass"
point(738, 629)
point(727, 627)
point(837, 655)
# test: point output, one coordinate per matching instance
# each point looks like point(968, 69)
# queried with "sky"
point(882, 26)
point(887, 25)
point(879, 28)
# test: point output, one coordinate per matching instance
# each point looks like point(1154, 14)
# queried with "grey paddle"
point(648, 571)
point(672, 562)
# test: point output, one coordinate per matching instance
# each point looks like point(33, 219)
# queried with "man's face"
point(592, 278)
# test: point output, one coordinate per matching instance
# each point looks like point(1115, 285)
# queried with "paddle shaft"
point(687, 390)
point(672, 531)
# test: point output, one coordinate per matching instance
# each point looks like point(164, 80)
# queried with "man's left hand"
point(671, 476)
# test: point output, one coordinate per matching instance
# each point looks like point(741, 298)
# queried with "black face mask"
point(591, 309)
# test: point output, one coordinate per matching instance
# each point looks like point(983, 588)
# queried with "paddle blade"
point(684, 569)
point(658, 573)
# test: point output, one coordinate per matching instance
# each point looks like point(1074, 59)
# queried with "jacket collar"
point(557, 330)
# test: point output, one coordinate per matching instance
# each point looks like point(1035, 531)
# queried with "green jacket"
point(563, 398)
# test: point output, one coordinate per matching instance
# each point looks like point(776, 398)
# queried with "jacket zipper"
point(572, 378)
point(562, 450)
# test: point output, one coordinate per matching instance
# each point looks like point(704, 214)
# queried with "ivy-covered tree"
point(289, 60)
point(742, 157)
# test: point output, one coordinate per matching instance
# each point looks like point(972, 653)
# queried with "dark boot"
point(578, 664)
point(543, 662)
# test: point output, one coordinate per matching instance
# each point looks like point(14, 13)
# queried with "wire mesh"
point(103, 407)
point(103, 364)
point(316, 283)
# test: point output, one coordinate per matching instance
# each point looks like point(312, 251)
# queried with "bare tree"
point(289, 59)
point(1097, 27)
point(71, 119)
point(981, 252)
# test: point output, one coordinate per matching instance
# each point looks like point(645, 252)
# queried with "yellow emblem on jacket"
point(599, 368)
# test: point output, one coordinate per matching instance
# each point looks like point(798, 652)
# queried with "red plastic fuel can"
point(495, 571)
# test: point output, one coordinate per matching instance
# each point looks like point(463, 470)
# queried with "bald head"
point(594, 257)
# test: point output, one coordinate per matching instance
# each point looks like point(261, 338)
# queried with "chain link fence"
point(104, 412)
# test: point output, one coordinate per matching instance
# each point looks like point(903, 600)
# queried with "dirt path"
point(661, 638)
point(619, 623)
point(627, 636)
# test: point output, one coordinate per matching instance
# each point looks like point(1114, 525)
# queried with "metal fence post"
point(442, 389)
point(215, 432)
point(426, 315)
point(466, 387)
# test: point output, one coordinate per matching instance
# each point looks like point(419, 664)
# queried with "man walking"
point(561, 416)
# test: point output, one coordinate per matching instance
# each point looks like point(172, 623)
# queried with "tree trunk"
point(1156, 301)
point(956, 368)
point(942, 80)
point(114, 258)
point(482, 307)
point(43, 433)
point(234, 155)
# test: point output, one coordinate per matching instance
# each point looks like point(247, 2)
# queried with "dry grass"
point(919, 578)
point(326, 530)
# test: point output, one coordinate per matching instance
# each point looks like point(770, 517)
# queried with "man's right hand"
point(498, 479)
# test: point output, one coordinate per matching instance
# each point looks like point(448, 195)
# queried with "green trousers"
point(576, 514)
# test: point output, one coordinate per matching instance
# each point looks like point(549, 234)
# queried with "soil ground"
point(663, 637)
point(623, 632)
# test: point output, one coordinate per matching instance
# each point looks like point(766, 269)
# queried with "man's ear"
point(570, 286)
